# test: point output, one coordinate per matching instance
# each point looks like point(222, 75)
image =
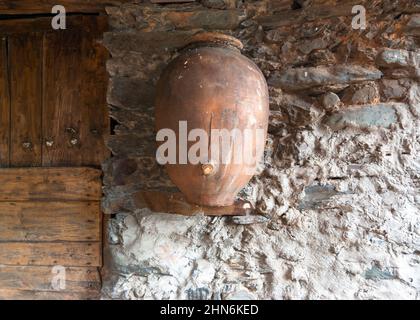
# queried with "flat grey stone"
point(304, 78)
point(398, 58)
point(380, 115)
point(249, 219)
point(330, 100)
point(375, 273)
point(316, 194)
point(414, 21)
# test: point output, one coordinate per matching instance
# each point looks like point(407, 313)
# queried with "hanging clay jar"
point(211, 85)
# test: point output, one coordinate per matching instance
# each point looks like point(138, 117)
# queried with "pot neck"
point(214, 39)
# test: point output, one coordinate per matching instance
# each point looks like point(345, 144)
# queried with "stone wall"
point(338, 191)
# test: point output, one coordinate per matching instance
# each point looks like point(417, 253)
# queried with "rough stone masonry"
point(338, 192)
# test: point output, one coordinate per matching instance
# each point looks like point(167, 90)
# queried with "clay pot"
point(210, 85)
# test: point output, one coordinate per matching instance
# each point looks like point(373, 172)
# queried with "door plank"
point(96, 125)
point(50, 221)
point(41, 278)
point(61, 117)
point(77, 254)
point(4, 105)
point(23, 184)
point(10, 294)
point(25, 61)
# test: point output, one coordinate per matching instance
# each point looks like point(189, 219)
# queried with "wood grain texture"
point(279, 17)
point(41, 278)
point(45, 6)
point(177, 204)
point(23, 184)
point(62, 112)
point(58, 91)
point(43, 24)
point(94, 111)
point(50, 221)
point(75, 116)
point(77, 254)
point(51, 216)
point(25, 61)
point(4, 105)
point(10, 294)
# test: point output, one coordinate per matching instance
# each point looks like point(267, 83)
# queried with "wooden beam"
point(290, 17)
point(25, 184)
point(41, 278)
point(45, 6)
point(11, 294)
point(50, 221)
point(75, 254)
point(43, 24)
point(175, 203)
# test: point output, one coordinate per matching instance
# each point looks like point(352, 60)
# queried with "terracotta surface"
point(212, 86)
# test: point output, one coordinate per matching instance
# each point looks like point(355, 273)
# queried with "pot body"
point(213, 86)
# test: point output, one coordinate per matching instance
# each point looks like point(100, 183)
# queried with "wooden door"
point(53, 121)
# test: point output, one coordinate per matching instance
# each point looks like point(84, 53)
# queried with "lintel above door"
point(38, 7)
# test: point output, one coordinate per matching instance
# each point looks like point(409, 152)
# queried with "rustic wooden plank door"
point(53, 124)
